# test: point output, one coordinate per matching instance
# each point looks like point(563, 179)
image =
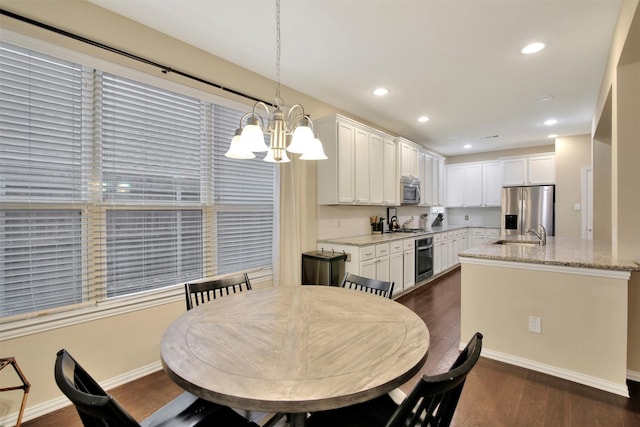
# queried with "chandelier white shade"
point(292, 132)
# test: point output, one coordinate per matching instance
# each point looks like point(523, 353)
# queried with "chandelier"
point(292, 132)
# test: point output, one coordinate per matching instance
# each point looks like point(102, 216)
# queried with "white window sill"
point(64, 317)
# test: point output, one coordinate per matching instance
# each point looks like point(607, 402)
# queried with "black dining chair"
point(199, 292)
point(97, 408)
point(377, 287)
point(432, 402)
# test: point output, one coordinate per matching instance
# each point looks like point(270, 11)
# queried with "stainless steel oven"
point(424, 258)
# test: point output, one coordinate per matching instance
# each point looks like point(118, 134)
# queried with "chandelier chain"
point(278, 99)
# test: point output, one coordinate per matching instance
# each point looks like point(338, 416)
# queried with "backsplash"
point(474, 216)
point(343, 221)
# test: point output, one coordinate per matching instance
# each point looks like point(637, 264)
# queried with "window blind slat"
point(126, 187)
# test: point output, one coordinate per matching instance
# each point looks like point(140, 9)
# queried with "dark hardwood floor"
point(496, 394)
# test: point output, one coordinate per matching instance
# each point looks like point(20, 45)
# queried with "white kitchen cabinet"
point(531, 170)
point(429, 173)
point(476, 238)
point(438, 180)
point(409, 264)
point(409, 152)
point(374, 261)
point(464, 185)
point(455, 186)
point(541, 170)
point(361, 168)
point(421, 176)
point(459, 244)
point(445, 251)
point(514, 171)
point(336, 174)
point(437, 253)
point(428, 195)
point(472, 187)
point(396, 265)
point(451, 254)
point(376, 169)
point(475, 184)
point(391, 180)
point(480, 236)
point(491, 184)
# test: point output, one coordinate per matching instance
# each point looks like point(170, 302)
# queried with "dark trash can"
point(323, 268)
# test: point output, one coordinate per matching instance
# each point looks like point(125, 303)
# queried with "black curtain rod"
point(165, 69)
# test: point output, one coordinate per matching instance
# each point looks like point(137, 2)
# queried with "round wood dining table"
point(294, 349)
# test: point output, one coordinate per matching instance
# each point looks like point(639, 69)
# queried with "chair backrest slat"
point(200, 292)
point(377, 287)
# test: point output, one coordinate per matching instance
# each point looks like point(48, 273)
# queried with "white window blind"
point(110, 186)
point(153, 149)
point(153, 156)
point(244, 192)
point(41, 181)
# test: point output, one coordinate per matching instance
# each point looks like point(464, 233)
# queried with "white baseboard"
point(44, 408)
point(633, 375)
point(620, 389)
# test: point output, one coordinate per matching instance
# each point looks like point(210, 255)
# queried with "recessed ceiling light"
point(553, 135)
point(380, 91)
point(532, 48)
point(423, 119)
point(544, 98)
point(467, 146)
point(550, 122)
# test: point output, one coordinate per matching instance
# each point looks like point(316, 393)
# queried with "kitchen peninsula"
point(561, 309)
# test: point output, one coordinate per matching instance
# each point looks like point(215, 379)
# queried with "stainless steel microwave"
point(410, 189)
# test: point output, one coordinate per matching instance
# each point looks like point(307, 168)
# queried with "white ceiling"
point(458, 62)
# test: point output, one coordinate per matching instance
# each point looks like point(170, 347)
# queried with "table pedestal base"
point(298, 419)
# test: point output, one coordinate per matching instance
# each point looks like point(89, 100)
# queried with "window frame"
point(36, 322)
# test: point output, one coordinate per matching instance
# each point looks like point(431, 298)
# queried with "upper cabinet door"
point(376, 169)
point(472, 185)
point(530, 170)
point(455, 186)
point(491, 184)
point(346, 152)
point(362, 166)
point(408, 159)
point(391, 178)
point(541, 170)
point(514, 172)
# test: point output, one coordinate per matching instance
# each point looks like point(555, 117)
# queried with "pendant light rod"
point(291, 132)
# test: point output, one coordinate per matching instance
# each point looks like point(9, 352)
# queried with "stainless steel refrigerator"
point(523, 208)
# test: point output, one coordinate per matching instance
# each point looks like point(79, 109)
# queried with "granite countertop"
point(558, 251)
point(372, 239)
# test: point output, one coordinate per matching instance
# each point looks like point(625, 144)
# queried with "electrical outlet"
point(535, 324)
point(466, 217)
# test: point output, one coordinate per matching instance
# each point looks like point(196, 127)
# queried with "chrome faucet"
point(540, 234)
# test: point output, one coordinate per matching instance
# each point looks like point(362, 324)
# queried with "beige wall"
point(617, 111)
point(572, 154)
point(583, 319)
point(107, 348)
point(601, 164)
point(494, 155)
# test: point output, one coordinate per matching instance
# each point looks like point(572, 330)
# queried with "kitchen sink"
point(517, 242)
